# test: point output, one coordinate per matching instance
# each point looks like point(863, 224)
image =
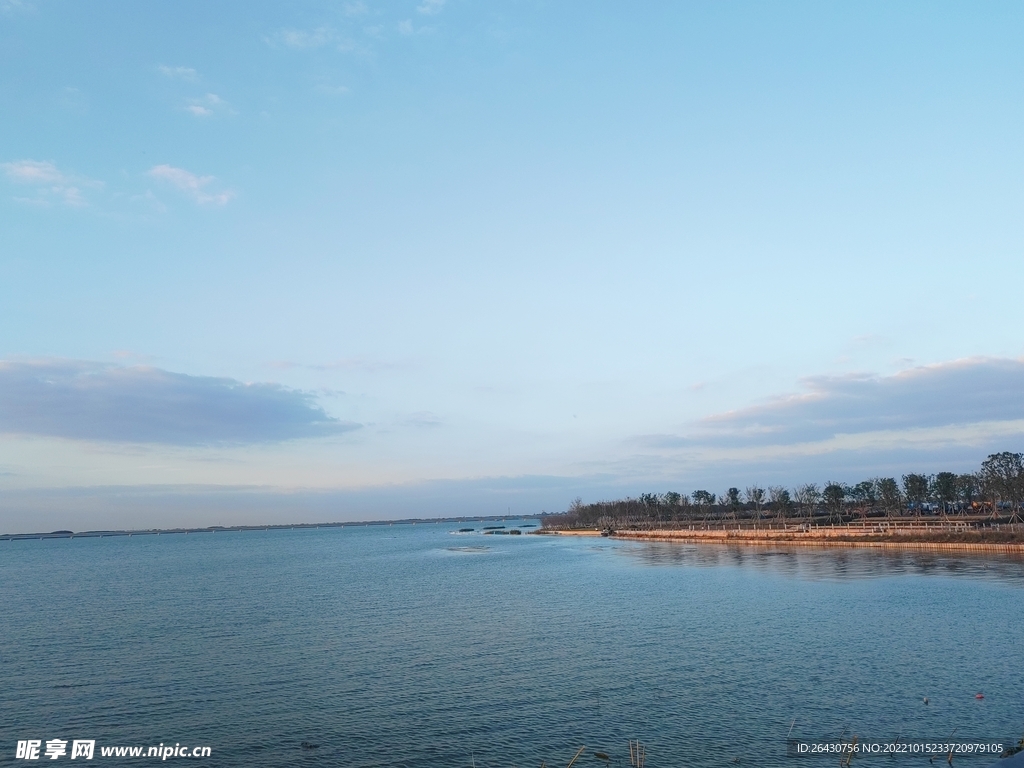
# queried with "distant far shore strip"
point(780, 538)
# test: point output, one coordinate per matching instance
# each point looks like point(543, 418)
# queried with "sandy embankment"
point(840, 536)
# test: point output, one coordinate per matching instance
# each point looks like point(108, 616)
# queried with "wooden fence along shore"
point(881, 534)
point(840, 537)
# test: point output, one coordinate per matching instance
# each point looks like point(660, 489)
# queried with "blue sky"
point(401, 259)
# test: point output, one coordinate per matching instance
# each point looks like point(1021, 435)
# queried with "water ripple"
point(390, 647)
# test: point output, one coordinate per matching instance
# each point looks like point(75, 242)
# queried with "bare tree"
point(755, 497)
point(807, 496)
point(780, 501)
point(732, 498)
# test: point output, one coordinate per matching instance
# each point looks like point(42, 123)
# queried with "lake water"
point(416, 646)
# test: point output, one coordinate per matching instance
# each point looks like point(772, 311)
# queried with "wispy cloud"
point(422, 420)
point(34, 172)
point(407, 28)
point(179, 73)
point(94, 401)
point(300, 38)
point(48, 182)
point(73, 99)
point(360, 364)
point(206, 106)
point(332, 90)
point(127, 354)
point(10, 6)
point(431, 7)
point(196, 187)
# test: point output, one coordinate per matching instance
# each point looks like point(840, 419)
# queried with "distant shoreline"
point(838, 537)
point(274, 527)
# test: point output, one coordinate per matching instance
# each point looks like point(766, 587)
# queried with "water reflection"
point(832, 564)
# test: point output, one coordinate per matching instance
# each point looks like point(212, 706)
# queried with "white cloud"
point(33, 172)
point(180, 73)
point(332, 90)
point(10, 6)
point(357, 8)
point(196, 187)
point(49, 182)
point(407, 28)
point(206, 105)
point(298, 38)
point(431, 7)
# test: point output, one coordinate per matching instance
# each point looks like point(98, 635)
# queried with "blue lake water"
point(414, 646)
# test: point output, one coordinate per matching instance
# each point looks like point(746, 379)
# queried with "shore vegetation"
point(983, 506)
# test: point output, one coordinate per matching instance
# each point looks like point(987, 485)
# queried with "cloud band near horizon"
point(956, 393)
point(94, 401)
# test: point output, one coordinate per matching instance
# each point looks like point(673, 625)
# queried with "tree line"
point(996, 489)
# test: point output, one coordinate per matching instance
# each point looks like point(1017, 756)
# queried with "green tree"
point(833, 496)
point(1003, 477)
point(649, 499)
point(968, 489)
point(864, 495)
point(702, 498)
point(732, 499)
point(915, 488)
point(703, 501)
point(944, 489)
point(889, 494)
